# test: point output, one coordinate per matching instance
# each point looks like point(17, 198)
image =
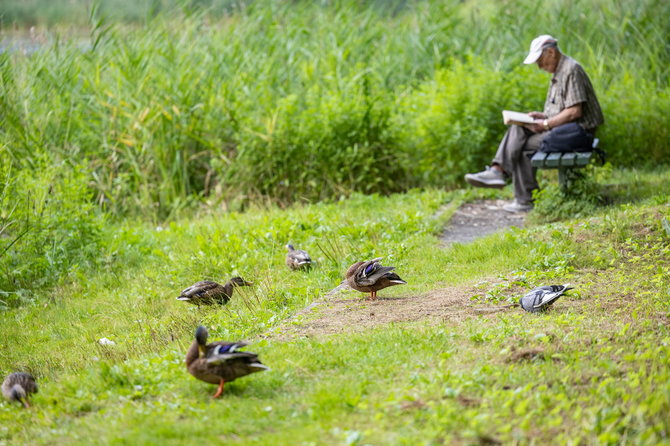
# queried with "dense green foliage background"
point(150, 114)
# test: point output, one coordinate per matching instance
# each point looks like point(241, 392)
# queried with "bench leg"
point(563, 179)
point(567, 176)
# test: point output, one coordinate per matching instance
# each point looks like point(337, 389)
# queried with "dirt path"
point(339, 311)
point(477, 219)
point(354, 313)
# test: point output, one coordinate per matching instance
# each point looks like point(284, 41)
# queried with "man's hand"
point(537, 126)
point(537, 115)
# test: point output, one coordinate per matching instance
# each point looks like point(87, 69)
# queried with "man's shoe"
point(517, 207)
point(488, 178)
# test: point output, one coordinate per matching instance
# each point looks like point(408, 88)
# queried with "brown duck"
point(219, 362)
point(297, 258)
point(17, 386)
point(208, 292)
point(371, 276)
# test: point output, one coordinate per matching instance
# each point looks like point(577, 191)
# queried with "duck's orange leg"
point(25, 403)
point(219, 391)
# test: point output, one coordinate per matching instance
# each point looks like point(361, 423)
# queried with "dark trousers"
point(514, 152)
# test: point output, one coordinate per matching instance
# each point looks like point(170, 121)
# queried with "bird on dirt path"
point(220, 362)
point(370, 276)
point(17, 386)
point(208, 292)
point(540, 298)
point(297, 258)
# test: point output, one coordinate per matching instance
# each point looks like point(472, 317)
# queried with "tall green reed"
point(312, 101)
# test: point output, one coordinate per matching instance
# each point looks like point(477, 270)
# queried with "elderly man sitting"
point(570, 100)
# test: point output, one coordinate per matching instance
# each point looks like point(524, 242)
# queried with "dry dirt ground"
point(339, 312)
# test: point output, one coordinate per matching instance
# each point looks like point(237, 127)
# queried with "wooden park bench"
point(565, 162)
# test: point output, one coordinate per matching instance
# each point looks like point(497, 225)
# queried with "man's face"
point(548, 60)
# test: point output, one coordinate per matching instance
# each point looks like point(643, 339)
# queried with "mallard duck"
point(371, 276)
point(208, 292)
point(219, 362)
point(17, 386)
point(297, 258)
point(540, 298)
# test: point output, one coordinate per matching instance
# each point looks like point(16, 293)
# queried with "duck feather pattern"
point(220, 360)
point(371, 276)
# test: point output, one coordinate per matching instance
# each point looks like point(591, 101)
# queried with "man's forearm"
point(569, 114)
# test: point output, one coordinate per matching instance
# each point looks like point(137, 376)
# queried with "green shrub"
point(49, 227)
point(636, 132)
point(581, 196)
point(452, 124)
point(310, 100)
point(325, 144)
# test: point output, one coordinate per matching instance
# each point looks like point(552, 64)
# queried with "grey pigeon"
point(540, 298)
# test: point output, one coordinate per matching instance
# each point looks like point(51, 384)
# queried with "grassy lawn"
point(592, 370)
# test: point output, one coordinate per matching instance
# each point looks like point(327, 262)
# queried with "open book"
point(512, 117)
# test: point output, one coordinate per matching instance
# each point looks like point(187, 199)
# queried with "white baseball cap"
point(538, 45)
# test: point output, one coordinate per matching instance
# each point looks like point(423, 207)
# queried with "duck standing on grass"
point(297, 258)
point(208, 292)
point(219, 362)
point(17, 386)
point(371, 276)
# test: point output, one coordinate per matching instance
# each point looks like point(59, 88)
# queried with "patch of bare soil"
point(528, 354)
point(357, 314)
point(337, 314)
point(479, 218)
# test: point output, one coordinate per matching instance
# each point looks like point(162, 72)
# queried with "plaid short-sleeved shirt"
point(570, 86)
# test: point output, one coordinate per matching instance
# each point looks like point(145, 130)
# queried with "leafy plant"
point(581, 196)
point(48, 227)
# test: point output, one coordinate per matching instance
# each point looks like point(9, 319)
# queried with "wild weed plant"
point(49, 228)
point(307, 101)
